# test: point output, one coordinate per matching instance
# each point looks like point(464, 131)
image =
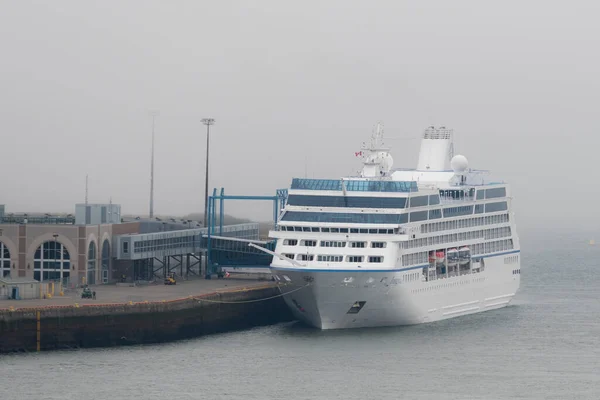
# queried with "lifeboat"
point(452, 256)
point(431, 257)
point(464, 255)
point(440, 256)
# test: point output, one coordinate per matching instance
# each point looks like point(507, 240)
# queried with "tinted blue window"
point(419, 201)
point(480, 194)
point(356, 186)
point(345, 217)
point(495, 192)
point(418, 216)
point(375, 202)
point(346, 201)
point(434, 199)
point(457, 211)
point(478, 208)
point(435, 214)
point(493, 207)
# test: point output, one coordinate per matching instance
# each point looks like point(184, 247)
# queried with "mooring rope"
point(251, 301)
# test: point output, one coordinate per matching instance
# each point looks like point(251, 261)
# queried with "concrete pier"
point(137, 315)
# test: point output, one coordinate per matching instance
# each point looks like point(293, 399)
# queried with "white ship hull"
point(397, 247)
point(323, 298)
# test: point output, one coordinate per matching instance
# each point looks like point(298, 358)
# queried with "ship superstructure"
point(397, 246)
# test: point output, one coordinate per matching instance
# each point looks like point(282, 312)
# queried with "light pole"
point(208, 122)
point(55, 250)
point(153, 114)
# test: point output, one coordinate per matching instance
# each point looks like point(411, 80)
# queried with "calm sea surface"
point(546, 345)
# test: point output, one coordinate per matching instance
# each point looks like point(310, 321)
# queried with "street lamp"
point(208, 122)
point(55, 251)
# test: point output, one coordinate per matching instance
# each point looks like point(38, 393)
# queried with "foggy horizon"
point(294, 89)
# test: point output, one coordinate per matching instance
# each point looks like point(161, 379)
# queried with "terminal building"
point(97, 245)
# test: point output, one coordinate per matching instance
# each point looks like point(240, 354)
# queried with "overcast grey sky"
point(288, 82)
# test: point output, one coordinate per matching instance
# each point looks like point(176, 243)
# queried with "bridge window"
point(434, 199)
point(457, 211)
point(290, 242)
point(495, 193)
point(375, 259)
point(419, 201)
point(418, 216)
point(4, 261)
point(355, 259)
point(309, 243)
point(494, 207)
point(346, 201)
point(354, 185)
point(480, 194)
point(378, 245)
point(362, 218)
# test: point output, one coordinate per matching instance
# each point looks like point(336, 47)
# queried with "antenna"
point(86, 189)
point(305, 166)
point(153, 114)
point(451, 147)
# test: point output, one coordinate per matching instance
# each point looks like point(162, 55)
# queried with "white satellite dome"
point(459, 163)
point(388, 162)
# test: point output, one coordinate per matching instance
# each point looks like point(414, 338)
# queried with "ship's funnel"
point(436, 149)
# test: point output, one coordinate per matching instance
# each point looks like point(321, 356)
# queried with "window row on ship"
point(425, 228)
point(351, 201)
point(486, 234)
point(464, 223)
point(422, 257)
point(333, 243)
point(333, 258)
point(380, 218)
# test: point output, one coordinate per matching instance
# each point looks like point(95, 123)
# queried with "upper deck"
point(355, 185)
point(380, 195)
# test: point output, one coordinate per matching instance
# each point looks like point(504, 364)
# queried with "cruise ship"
point(397, 246)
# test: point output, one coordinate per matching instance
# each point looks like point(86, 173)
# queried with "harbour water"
point(546, 345)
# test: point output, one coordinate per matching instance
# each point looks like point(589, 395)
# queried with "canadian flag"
point(358, 153)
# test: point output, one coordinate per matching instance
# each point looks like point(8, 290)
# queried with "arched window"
point(105, 261)
point(4, 260)
point(91, 264)
point(51, 262)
